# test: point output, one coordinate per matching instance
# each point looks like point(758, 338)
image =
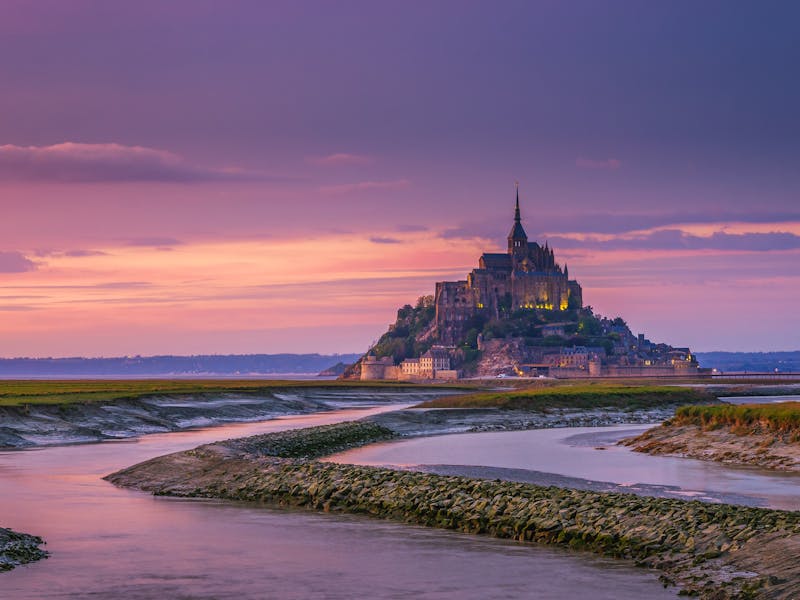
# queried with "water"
point(760, 399)
point(572, 451)
point(109, 542)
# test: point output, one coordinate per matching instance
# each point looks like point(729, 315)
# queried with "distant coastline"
point(239, 366)
point(760, 362)
point(293, 366)
point(123, 377)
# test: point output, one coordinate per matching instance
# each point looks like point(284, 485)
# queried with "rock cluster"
point(717, 551)
point(312, 442)
point(19, 548)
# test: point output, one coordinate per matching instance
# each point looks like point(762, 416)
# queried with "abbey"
point(527, 276)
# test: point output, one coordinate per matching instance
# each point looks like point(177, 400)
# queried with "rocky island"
point(517, 313)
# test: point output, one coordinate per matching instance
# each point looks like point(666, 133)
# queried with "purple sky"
point(280, 176)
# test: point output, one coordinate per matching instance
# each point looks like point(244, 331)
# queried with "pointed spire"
point(566, 271)
point(517, 238)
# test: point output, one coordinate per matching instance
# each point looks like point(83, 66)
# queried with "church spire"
point(517, 238)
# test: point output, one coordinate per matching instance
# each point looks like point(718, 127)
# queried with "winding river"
point(584, 453)
point(108, 542)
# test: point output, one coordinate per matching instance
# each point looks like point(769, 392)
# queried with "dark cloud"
point(74, 162)
point(81, 253)
point(154, 242)
point(541, 224)
point(45, 252)
point(377, 239)
point(674, 239)
point(15, 262)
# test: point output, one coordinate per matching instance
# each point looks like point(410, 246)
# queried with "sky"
point(192, 177)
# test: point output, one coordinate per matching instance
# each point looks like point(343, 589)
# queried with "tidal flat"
point(37, 414)
point(293, 452)
point(151, 547)
point(713, 550)
point(764, 435)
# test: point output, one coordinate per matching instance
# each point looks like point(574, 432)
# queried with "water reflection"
point(108, 542)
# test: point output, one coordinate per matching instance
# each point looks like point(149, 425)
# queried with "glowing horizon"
point(291, 197)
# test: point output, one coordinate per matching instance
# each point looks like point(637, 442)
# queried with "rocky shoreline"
point(712, 550)
point(761, 449)
point(36, 425)
point(19, 549)
point(45, 424)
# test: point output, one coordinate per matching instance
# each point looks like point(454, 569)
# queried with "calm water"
point(572, 452)
point(108, 542)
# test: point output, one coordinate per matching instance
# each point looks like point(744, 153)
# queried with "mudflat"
point(711, 550)
point(761, 449)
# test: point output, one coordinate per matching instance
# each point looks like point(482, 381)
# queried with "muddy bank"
point(542, 478)
point(18, 549)
point(716, 551)
point(46, 424)
point(429, 421)
point(765, 449)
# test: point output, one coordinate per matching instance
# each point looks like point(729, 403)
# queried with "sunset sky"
point(194, 177)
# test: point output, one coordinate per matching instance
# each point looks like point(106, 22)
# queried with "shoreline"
point(714, 550)
point(764, 450)
point(39, 425)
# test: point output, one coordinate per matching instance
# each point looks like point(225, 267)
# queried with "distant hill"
point(785, 362)
point(139, 366)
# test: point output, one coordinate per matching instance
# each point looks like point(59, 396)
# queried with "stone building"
point(434, 360)
point(526, 276)
point(410, 368)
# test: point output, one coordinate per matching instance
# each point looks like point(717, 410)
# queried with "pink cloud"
point(611, 164)
point(76, 162)
point(340, 158)
point(366, 186)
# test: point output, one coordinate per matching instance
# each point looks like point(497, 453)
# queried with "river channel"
point(583, 453)
point(108, 542)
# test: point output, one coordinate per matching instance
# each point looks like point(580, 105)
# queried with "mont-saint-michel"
point(517, 313)
point(275, 323)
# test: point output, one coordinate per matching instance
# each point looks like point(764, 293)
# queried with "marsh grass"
point(782, 418)
point(582, 396)
point(28, 392)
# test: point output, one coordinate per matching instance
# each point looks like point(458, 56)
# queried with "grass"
point(782, 418)
point(581, 396)
point(26, 392)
